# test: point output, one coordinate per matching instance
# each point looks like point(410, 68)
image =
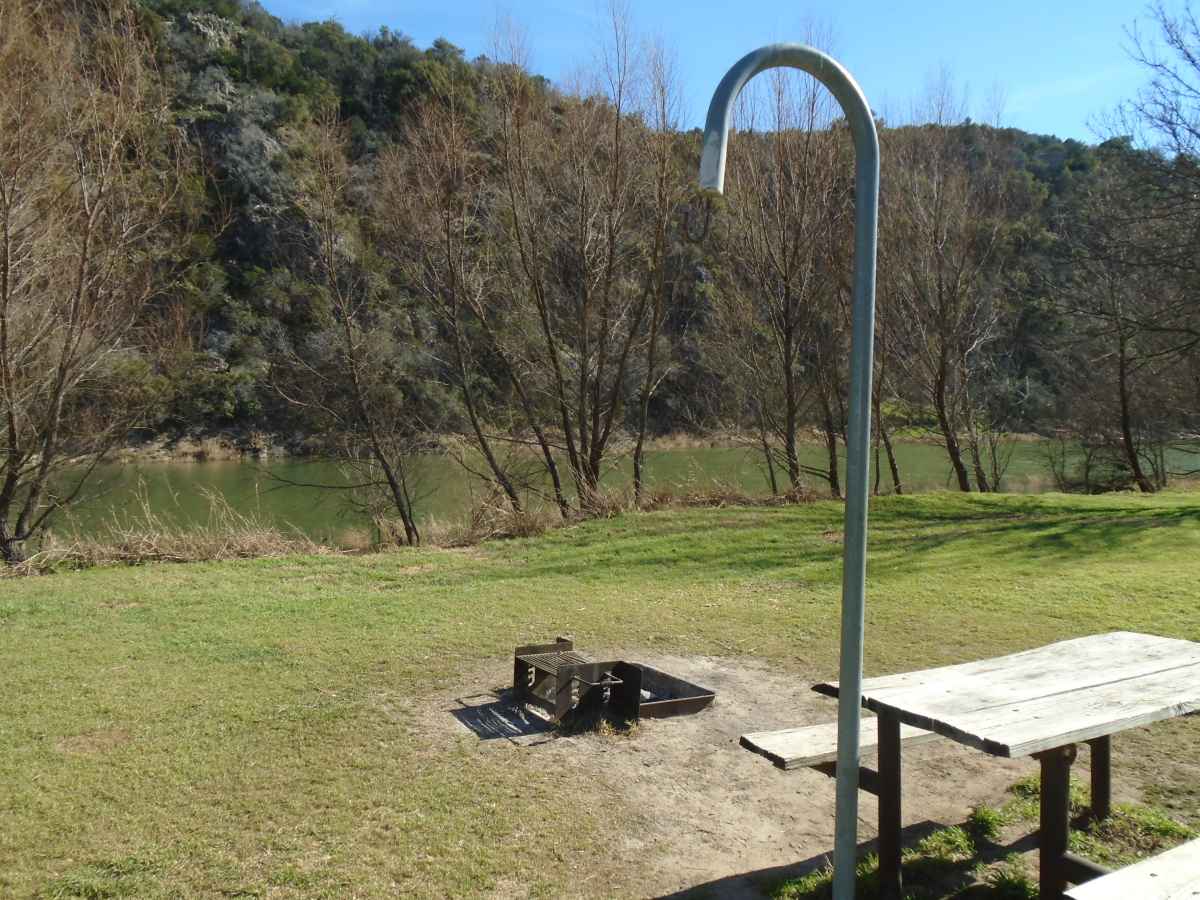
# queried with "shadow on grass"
point(966, 861)
point(496, 716)
point(1039, 528)
point(752, 541)
point(945, 862)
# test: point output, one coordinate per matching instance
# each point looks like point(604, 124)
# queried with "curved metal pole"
point(854, 559)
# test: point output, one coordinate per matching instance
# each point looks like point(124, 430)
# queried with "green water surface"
point(181, 492)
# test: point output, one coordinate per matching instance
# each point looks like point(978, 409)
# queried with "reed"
point(144, 535)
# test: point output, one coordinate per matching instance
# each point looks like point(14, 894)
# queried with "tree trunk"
point(10, 541)
point(891, 457)
point(530, 417)
point(791, 410)
point(1131, 454)
point(587, 483)
point(981, 479)
point(11, 549)
point(953, 450)
point(485, 446)
point(831, 448)
point(878, 468)
point(955, 453)
point(637, 472)
point(399, 497)
point(560, 499)
point(882, 437)
point(766, 450)
point(644, 410)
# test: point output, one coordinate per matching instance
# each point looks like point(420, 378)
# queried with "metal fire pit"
point(660, 695)
point(561, 680)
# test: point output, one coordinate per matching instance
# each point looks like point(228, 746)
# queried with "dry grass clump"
point(608, 503)
point(683, 440)
point(491, 518)
point(145, 536)
point(718, 494)
point(688, 494)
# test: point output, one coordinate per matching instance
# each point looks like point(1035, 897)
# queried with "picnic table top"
point(1059, 694)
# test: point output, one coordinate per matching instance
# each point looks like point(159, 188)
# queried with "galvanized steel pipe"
point(854, 560)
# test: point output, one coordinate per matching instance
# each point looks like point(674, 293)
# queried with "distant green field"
point(245, 728)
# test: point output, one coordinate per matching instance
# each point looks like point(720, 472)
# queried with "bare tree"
point(662, 196)
point(778, 325)
point(1129, 270)
point(1165, 117)
point(90, 169)
point(432, 221)
point(880, 419)
point(946, 205)
point(1126, 346)
point(358, 375)
point(578, 283)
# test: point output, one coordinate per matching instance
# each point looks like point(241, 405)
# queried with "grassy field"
point(246, 729)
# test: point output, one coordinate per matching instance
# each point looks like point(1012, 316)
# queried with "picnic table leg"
point(1055, 820)
point(1101, 748)
point(890, 879)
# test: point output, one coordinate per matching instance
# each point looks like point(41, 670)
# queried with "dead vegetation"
point(491, 518)
point(147, 536)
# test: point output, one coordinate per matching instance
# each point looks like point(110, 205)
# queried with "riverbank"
point(308, 496)
point(286, 727)
point(256, 445)
point(211, 448)
point(143, 536)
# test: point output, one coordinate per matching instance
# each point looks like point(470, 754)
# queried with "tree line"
point(215, 222)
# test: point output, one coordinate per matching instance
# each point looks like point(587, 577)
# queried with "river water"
point(182, 492)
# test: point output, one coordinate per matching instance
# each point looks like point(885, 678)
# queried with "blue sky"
point(1059, 64)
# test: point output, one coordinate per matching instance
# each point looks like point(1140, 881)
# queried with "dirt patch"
point(703, 817)
point(89, 742)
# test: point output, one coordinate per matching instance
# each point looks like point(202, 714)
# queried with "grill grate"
point(550, 663)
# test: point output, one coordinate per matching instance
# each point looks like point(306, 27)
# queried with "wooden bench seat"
point(1173, 875)
point(813, 745)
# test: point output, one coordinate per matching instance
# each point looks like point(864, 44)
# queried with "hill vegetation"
point(216, 222)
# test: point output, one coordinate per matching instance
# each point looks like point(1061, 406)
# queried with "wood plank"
point(1062, 693)
point(1045, 661)
point(1173, 875)
point(1019, 729)
point(810, 745)
point(1058, 668)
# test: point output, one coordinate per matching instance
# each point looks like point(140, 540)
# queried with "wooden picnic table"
point(1037, 703)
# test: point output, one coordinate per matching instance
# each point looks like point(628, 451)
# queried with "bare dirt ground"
point(704, 817)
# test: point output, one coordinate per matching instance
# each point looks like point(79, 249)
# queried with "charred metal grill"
point(561, 680)
point(551, 662)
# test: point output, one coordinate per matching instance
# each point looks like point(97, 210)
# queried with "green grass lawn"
point(245, 728)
